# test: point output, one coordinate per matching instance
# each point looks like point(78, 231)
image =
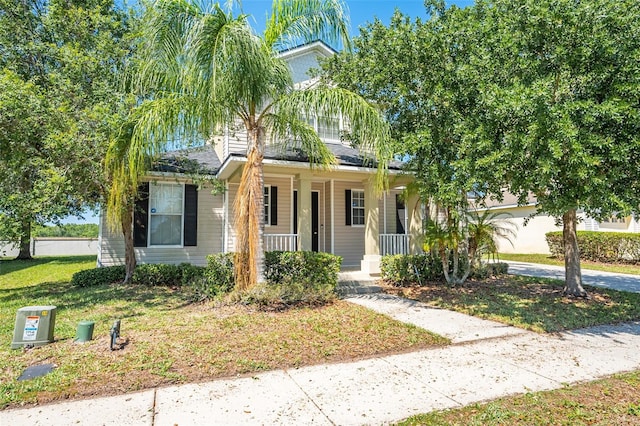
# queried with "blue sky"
point(360, 11)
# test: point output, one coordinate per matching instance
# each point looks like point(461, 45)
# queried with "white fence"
point(55, 246)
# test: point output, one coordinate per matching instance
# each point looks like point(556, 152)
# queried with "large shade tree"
point(67, 53)
point(204, 69)
point(538, 97)
point(562, 91)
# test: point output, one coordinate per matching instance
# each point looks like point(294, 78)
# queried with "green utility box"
point(34, 326)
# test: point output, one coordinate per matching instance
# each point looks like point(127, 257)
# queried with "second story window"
point(328, 128)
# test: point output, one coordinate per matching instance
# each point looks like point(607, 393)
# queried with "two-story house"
point(335, 210)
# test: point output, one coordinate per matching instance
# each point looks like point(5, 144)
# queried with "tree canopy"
point(62, 58)
point(533, 97)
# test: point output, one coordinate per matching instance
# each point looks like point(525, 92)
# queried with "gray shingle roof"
point(205, 160)
point(202, 160)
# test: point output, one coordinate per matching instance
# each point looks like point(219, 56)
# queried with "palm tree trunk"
point(129, 251)
point(249, 216)
point(573, 274)
point(25, 241)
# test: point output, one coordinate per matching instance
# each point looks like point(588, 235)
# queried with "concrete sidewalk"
point(487, 360)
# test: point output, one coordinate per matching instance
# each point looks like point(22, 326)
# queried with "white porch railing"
point(394, 244)
point(280, 242)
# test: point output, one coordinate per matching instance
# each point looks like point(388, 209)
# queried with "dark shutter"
point(141, 216)
point(190, 215)
point(274, 205)
point(347, 207)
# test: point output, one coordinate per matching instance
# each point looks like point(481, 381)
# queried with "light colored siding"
point(284, 205)
point(300, 66)
point(530, 238)
point(210, 235)
point(349, 240)
point(236, 140)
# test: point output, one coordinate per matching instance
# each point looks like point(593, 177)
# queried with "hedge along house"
point(531, 232)
point(334, 210)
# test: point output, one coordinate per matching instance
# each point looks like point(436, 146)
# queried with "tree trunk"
point(25, 241)
point(129, 252)
point(573, 274)
point(249, 216)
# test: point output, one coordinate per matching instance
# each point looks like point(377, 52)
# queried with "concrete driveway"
point(595, 278)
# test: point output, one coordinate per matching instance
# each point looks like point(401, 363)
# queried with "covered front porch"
point(337, 212)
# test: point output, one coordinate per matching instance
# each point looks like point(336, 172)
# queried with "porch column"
point(304, 213)
point(371, 261)
point(414, 230)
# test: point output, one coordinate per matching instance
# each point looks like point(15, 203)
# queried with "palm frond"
point(367, 124)
point(292, 133)
point(296, 21)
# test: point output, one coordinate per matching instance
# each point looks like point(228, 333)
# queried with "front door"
point(315, 218)
point(315, 195)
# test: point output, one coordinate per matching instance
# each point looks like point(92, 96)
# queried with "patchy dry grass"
point(532, 303)
point(167, 340)
point(611, 401)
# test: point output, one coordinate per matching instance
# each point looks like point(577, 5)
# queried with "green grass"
point(167, 339)
point(611, 401)
point(535, 304)
point(545, 259)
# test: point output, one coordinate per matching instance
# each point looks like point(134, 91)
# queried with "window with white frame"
point(328, 128)
point(357, 207)
point(166, 203)
point(267, 205)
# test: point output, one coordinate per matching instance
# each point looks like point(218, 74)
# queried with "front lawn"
point(169, 340)
point(611, 401)
point(535, 304)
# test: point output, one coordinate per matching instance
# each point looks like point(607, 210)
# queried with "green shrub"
point(157, 274)
point(299, 277)
point(486, 270)
point(409, 269)
point(607, 247)
point(191, 273)
point(98, 276)
point(217, 277)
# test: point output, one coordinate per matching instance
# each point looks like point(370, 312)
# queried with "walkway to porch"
point(353, 281)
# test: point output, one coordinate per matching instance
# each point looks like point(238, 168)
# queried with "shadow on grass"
point(12, 265)
point(67, 297)
point(533, 303)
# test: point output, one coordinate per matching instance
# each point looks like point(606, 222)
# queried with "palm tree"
point(203, 69)
point(484, 230)
point(444, 236)
point(122, 177)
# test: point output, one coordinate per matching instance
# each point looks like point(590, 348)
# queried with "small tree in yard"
point(446, 236)
point(485, 229)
